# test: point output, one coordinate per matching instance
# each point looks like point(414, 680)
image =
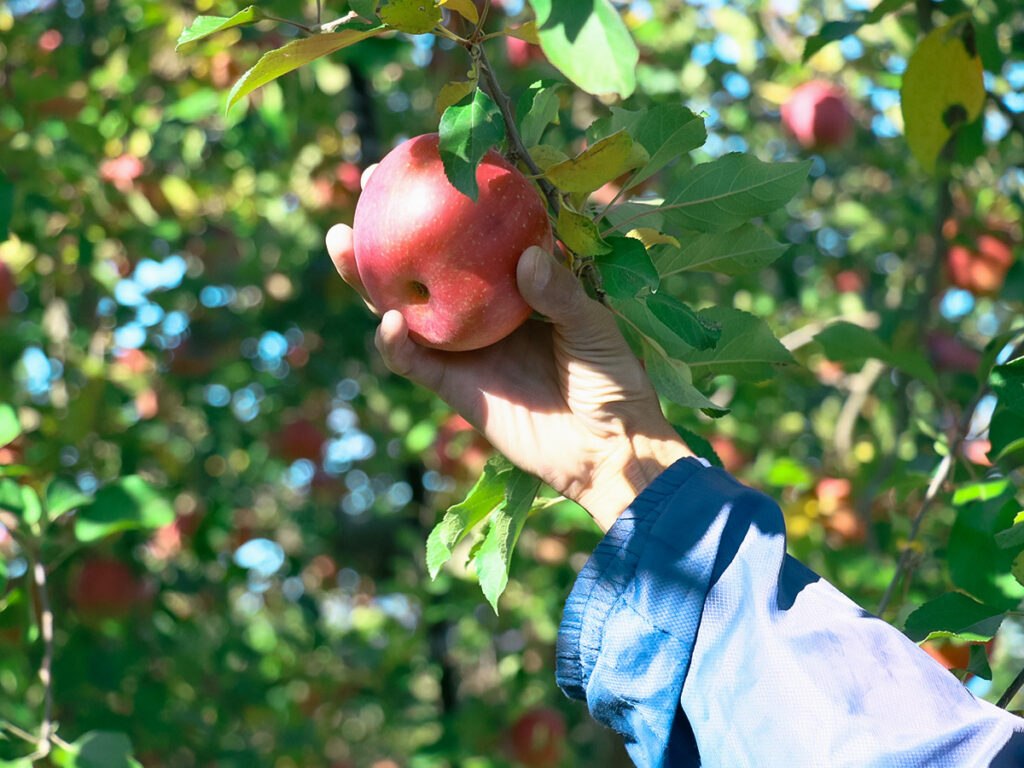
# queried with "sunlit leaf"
point(415, 17)
point(63, 496)
point(10, 426)
point(97, 749)
point(282, 60)
point(544, 155)
point(468, 129)
point(942, 90)
point(465, 8)
point(597, 164)
point(486, 494)
point(204, 26)
point(127, 504)
point(453, 92)
point(580, 234)
point(977, 564)
point(527, 32)
point(589, 43)
point(494, 557)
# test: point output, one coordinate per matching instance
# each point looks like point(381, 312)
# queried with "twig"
point(480, 21)
point(20, 733)
point(318, 13)
point(514, 139)
point(330, 26)
point(941, 473)
point(46, 666)
point(298, 25)
point(860, 387)
point(1011, 691)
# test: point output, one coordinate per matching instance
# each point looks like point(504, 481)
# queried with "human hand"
point(565, 400)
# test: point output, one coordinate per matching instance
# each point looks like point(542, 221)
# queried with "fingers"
point(555, 292)
point(404, 356)
point(342, 253)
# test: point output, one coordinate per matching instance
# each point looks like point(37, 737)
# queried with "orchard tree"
point(229, 536)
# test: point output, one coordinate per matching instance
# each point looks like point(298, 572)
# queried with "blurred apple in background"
point(107, 588)
point(818, 116)
point(981, 270)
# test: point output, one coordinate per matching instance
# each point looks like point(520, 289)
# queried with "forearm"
point(691, 613)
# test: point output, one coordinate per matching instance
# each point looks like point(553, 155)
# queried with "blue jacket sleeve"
point(694, 635)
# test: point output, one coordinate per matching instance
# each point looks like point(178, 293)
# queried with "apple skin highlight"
point(446, 263)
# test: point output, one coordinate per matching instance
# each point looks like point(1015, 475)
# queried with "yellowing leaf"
point(544, 155)
point(454, 92)
point(180, 195)
point(598, 164)
point(465, 8)
point(416, 17)
point(942, 89)
point(580, 234)
point(527, 32)
point(651, 237)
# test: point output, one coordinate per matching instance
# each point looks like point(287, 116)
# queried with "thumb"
point(556, 293)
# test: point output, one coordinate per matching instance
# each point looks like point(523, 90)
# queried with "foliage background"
point(176, 317)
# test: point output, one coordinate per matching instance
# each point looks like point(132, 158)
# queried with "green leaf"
point(10, 427)
point(11, 497)
point(837, 30)
point(626, 269)
point(1014, 535)
point(465, 8)
point(992, 349)
point(415, 17)
point(580, 234)
point(1007, 381)
point(942, 89)
point(977, 564)
point(747, 349)
point(830, 31)
point(63, 496)
point(3, 576)
point(486, 494)
point(742, 251)
point(31, 506)
point(468, 129)
point(673, 380)
point(127, 504)
point(597, 164)
point(684, 322)
point(589, 43)
point(954, 615)
point(978, 664)
point(494, 557)
point(698, 444)
point(98, 749)
point(721, 195)
point(666, 131)
point(6, 206)
point(846, 342)
point(539, 109)
point(980, 491)
point(787, 472)
point(282, 60)
point(1006, 433)
point(636, 316)
point(204, 26)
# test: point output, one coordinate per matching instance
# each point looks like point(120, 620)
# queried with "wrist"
point(626, 472)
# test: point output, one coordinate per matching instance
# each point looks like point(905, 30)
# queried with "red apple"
point(817, 115)
point(520, 53)
point(981, 271)
point(948, 353)
point(537, 738)
point(301, 439)
point(446, 263)
point(107, 588)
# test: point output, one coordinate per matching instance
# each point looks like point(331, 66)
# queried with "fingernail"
point(541, 268)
